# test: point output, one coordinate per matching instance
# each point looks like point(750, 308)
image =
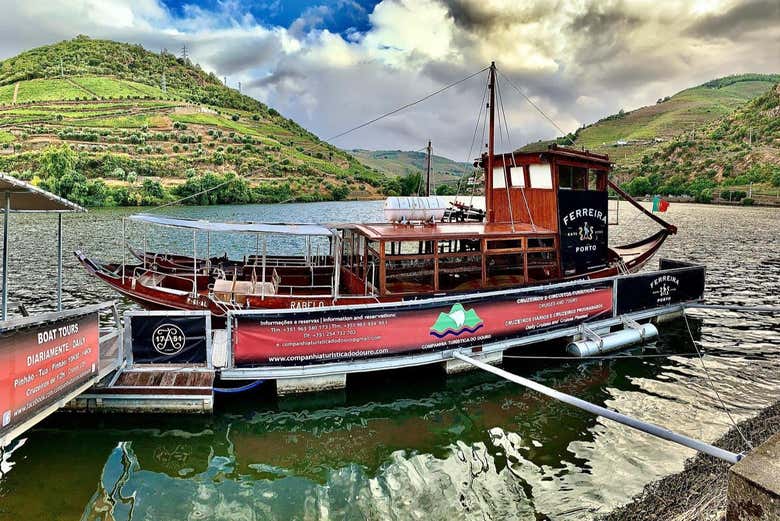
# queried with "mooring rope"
point(597, 357)
point(230, 390)
point(712, 385)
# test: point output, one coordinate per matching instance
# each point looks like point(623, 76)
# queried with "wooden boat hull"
point(159, 297)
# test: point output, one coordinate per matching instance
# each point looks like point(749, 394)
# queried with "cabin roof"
point(405, 232)
point(238, 227)
point(586, 158)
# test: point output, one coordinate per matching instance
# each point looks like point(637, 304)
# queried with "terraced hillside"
point(734, 158)
point(136, 127)
point(674, 147)
point(628, 135)
point(401, 163)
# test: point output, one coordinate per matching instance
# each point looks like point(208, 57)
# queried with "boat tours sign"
point(40, 364)
point(583, 217)
point(660, 288)
point(330, 335)
point(169, 339)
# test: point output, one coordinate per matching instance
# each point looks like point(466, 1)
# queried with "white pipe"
point(649, 428)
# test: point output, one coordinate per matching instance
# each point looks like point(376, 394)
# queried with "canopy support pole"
point(124, 247)
point(194, 264)
point(262, 292)
point(59, 262)
point(7, 212)
point(649, 428)
point(208, 251)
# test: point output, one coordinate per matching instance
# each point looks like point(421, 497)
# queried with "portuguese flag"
point(660, 205)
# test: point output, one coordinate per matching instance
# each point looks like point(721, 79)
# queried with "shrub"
point(705, 196)
point(748, 201)
point(234, 117)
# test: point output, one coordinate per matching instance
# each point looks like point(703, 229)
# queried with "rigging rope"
point(503, 166)
point(207, 190)
point(399, 109)
point(514, 163)
point(473, 140)
point(712, 385)
point(538, 109)
point(484, 131)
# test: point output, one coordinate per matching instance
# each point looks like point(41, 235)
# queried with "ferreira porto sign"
point(583, 227)
point(328, 335)
point(655, 290)
point(41, 364)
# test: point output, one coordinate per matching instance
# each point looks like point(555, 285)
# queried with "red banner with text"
point(344, 334)
point(41, 364)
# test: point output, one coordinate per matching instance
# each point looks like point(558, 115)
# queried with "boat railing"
point(372, 271)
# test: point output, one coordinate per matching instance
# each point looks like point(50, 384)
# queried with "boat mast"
point(428, 175)
point(491, 139)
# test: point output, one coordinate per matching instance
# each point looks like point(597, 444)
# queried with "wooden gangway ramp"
point(152, 389)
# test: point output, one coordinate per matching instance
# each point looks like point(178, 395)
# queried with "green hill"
point(138, 127)
point(727, 158)
point(401, 163)
point(626, 136)
point(648, 142)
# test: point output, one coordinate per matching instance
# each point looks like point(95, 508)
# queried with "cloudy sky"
point(333, 64)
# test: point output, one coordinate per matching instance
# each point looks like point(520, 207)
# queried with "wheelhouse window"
point(517, 176)
point(572, 177)
point(540, 176)
point(593, 180)
point(499, 177)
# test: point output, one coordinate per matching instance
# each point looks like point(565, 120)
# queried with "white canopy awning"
point(20, 196)
point(24, 197)
point(236, 227)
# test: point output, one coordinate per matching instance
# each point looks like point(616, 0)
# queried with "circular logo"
point(168, 339)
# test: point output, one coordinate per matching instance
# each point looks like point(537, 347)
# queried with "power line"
point(399, 109)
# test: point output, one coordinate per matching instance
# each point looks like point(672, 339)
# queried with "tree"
point(445, 190)
point(411, 184)
point(640, 185)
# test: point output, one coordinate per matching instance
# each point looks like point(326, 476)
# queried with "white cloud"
point(579, 60)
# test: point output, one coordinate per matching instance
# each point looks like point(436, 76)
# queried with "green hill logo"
point(457, 321)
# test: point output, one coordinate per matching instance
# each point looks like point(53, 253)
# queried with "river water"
point(404, 444)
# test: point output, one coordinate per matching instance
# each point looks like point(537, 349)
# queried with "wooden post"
point(428, 175)
point(491, 142)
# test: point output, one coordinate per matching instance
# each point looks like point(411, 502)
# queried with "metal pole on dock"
point(7, 212)
point(59, 261)
point(649, 428)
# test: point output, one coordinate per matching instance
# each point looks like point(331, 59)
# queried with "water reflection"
point(414, 444)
